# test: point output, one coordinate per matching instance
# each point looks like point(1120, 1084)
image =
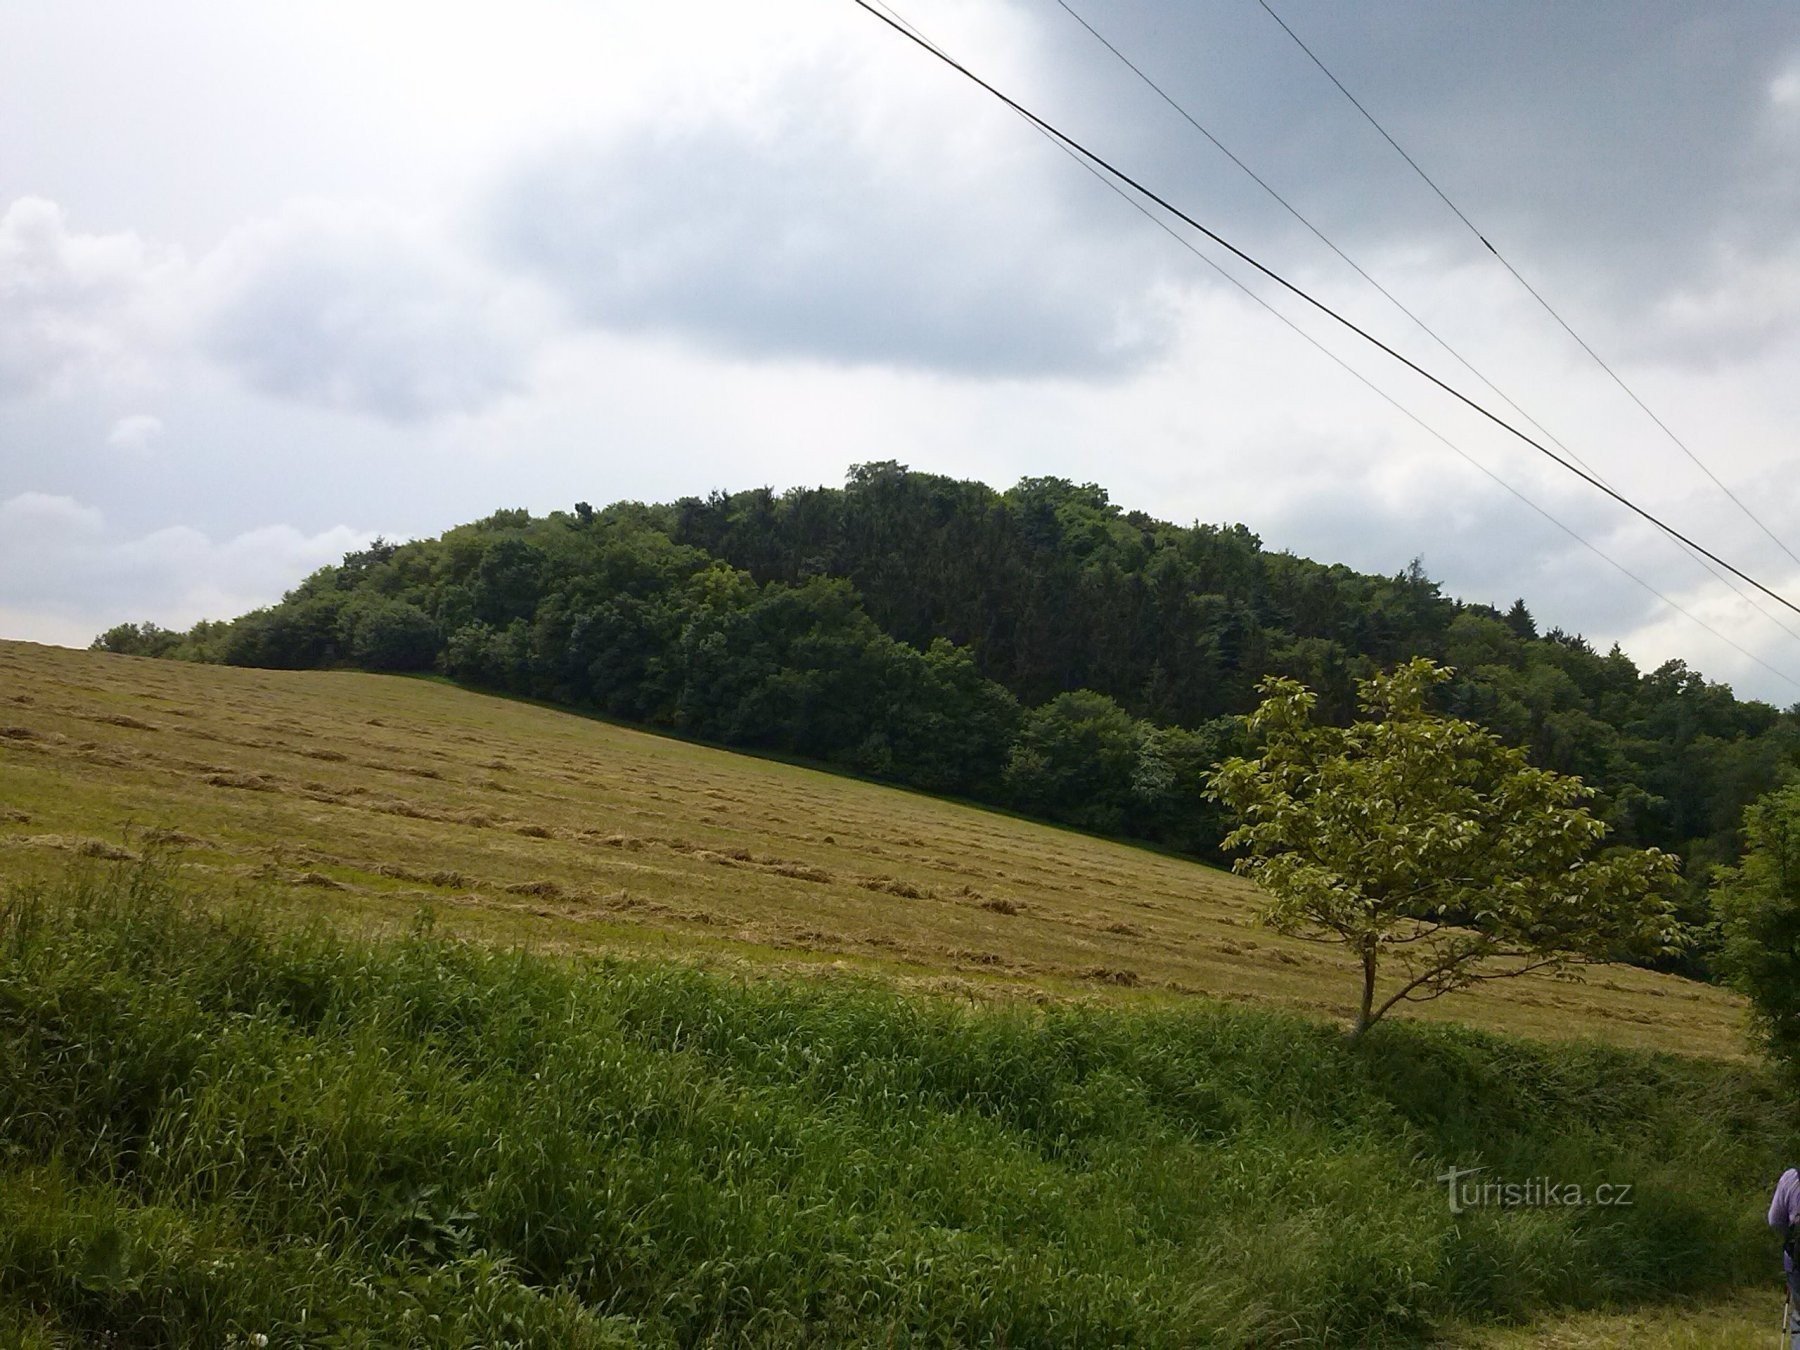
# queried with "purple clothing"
point(1784, 1213)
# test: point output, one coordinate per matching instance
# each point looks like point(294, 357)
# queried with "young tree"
point(1429, 848)
point(1759, 902)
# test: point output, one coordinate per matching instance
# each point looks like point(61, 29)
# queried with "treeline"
point(603, 609)
point(1037, 647)
point(1053, 588)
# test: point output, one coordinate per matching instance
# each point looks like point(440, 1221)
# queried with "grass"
point(363, 797)
point(1748, 1319)
point(221, 1124)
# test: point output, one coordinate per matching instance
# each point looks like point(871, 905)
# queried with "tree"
point(1759, 905)
point(137, 639)
point(1075, 759)
point(392, 635)
point(300, 633)
point(1423, 842)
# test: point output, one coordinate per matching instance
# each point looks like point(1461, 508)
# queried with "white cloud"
point(135, 432)
point(346, 306)
point(36, 518)
point(63, 573)
point(71, 303)
point(363, 309)
point(1758, 660)
point(1784, 89)
point(53, 628)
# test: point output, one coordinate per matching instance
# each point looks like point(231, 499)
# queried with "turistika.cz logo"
point(1532, 1193)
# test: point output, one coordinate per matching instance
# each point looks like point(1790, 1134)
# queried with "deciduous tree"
point(1759, 904)
point(1439, 856)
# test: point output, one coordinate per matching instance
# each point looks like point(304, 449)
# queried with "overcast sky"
point(277, 278)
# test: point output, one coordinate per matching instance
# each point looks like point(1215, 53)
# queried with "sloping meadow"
point(362, 797)
point(214, 1129)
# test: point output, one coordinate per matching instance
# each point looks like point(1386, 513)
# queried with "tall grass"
point(212, 1128)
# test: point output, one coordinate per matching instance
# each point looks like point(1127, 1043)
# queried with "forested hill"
point(1037, 647)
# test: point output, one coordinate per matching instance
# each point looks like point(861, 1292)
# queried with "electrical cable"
point(1127, 180)
point(1535, 294)
point(1430, 430)
point(1381, 393)
point(1324, 239)
point(1317, 233)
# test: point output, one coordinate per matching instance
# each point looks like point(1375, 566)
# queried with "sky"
point(275, 279)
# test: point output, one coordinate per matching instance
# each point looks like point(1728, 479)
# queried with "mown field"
point(367, 798)
point(359, 1011)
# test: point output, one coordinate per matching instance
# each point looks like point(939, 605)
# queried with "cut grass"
point(216, 1127)
point(366, 796)
point(1748, 1319)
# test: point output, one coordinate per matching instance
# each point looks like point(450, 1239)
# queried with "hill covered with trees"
point(1038, 648)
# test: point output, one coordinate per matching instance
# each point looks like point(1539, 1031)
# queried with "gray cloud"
point(1620, 154)
point(794, 233)
point(363, 311)
point(1747, 305)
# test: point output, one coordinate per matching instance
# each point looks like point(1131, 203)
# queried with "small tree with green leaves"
point(1758, 902)
point(1436, 854)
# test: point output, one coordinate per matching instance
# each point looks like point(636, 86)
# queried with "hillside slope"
point(1038, 649)
point(369, 797)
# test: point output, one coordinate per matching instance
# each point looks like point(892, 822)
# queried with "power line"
point(912, 30)
point(1316, 232)
point(1535, 294)
point(1121, 176)
point(1319, 234)
point(1425, 426)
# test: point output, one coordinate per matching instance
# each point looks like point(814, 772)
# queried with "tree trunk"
point(1365, 1015)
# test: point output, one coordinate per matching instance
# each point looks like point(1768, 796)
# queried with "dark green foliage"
point(909, 626)
point(487, 659)
point(952, 728)
point(212, 1129)
point(392, 635)
point(1170, 798)
point(1759, 902)
point(1519, 620)
point(304, 631)
point(1076, 758)
point(509, 581)
point(137, 639)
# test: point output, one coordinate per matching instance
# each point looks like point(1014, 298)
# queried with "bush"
point(1075, 759)
point(137, 639)
point(488, 659)
point(392, 635)
point(1759, 903)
